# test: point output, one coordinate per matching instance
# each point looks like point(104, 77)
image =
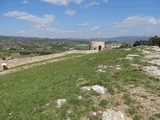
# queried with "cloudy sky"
point(79, 18)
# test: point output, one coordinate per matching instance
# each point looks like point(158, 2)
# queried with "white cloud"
point(137, 20)
point(69, 31)
point(91, 4)
point(31, 18)
point(106, 1)
point(63, 2)
point(25, 1)
point(21, 32)
point(95, 28)
point(84, 24)
point(70, 12)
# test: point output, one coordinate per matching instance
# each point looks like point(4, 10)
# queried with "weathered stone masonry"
point(97, 45)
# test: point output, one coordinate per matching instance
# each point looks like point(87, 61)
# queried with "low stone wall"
point(22, 61)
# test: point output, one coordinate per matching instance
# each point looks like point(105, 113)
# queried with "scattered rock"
point(153, 70)
point(136, 65)
point(100, 70)
point(128, 49)
point(120, 58)
point(100, 112)
point(10, 113)
point(79, 79)
point(153, 56)
point(157, 62)
point(60, 102)
point(103, 68)
point(86, 88)
point(156, 48)
point(112, 115)
point(130, 56)
point(94, 113)
point(69, 111)
point(99, 89)
point(79, 97)
point(118, 68)
point(47, 104)
point(96, 88)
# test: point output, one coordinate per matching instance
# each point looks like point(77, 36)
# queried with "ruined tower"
point(97, 45)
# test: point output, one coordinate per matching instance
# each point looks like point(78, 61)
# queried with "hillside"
point(120, 82)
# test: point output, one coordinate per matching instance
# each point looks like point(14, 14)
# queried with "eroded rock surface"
point(60, 102)
point(96, 88)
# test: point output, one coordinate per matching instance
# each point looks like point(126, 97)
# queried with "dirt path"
point(35, 64)
point(23, 61)
point(32, 60)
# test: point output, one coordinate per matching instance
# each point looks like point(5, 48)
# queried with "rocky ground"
point(148, 102)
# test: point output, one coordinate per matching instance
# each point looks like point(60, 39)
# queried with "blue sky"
point(79, 18)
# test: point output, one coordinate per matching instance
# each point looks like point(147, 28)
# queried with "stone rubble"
point(130, 56)
point(79, 97)
point(151, 52)
point(94, 113)
point(157, 62)
point(156, 48)
point(136, 65)
point(96, 88)
point(60, 102)
point(128, 49)
point(112, 115)
point(153, 70)
point(86, 88)
point(102, 68)
point(152, 55)
point(99, 89)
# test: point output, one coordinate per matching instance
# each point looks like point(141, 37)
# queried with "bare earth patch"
point(148, 103)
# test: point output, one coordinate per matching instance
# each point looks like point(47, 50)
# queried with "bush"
point(3, 58)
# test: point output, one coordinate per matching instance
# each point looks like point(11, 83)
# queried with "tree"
point(153, 41)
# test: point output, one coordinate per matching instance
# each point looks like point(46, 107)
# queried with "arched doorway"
point(99, 48)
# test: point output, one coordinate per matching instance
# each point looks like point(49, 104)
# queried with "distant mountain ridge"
point(125, 38)
point(130, 38)
point(120, 38)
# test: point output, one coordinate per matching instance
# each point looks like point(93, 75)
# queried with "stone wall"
point(97, 45)
point(16, 62)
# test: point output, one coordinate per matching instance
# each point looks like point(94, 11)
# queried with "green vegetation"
point(82, 47)
point(29, 47)
point(137, 117)
point(153, 41)
point(157, 115)
point(103, 103)
point(33, 93)
point(131, 111)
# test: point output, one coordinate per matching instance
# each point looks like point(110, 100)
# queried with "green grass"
point(103, 103)
point(157, 115)
point(69, 56)
point(82, 47)
point(131, 111)
point(24, 94)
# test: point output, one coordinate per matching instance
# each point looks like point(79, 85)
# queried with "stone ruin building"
point(97, 45)
point(4, 66)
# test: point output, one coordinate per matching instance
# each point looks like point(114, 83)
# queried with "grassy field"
point(33, 93)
